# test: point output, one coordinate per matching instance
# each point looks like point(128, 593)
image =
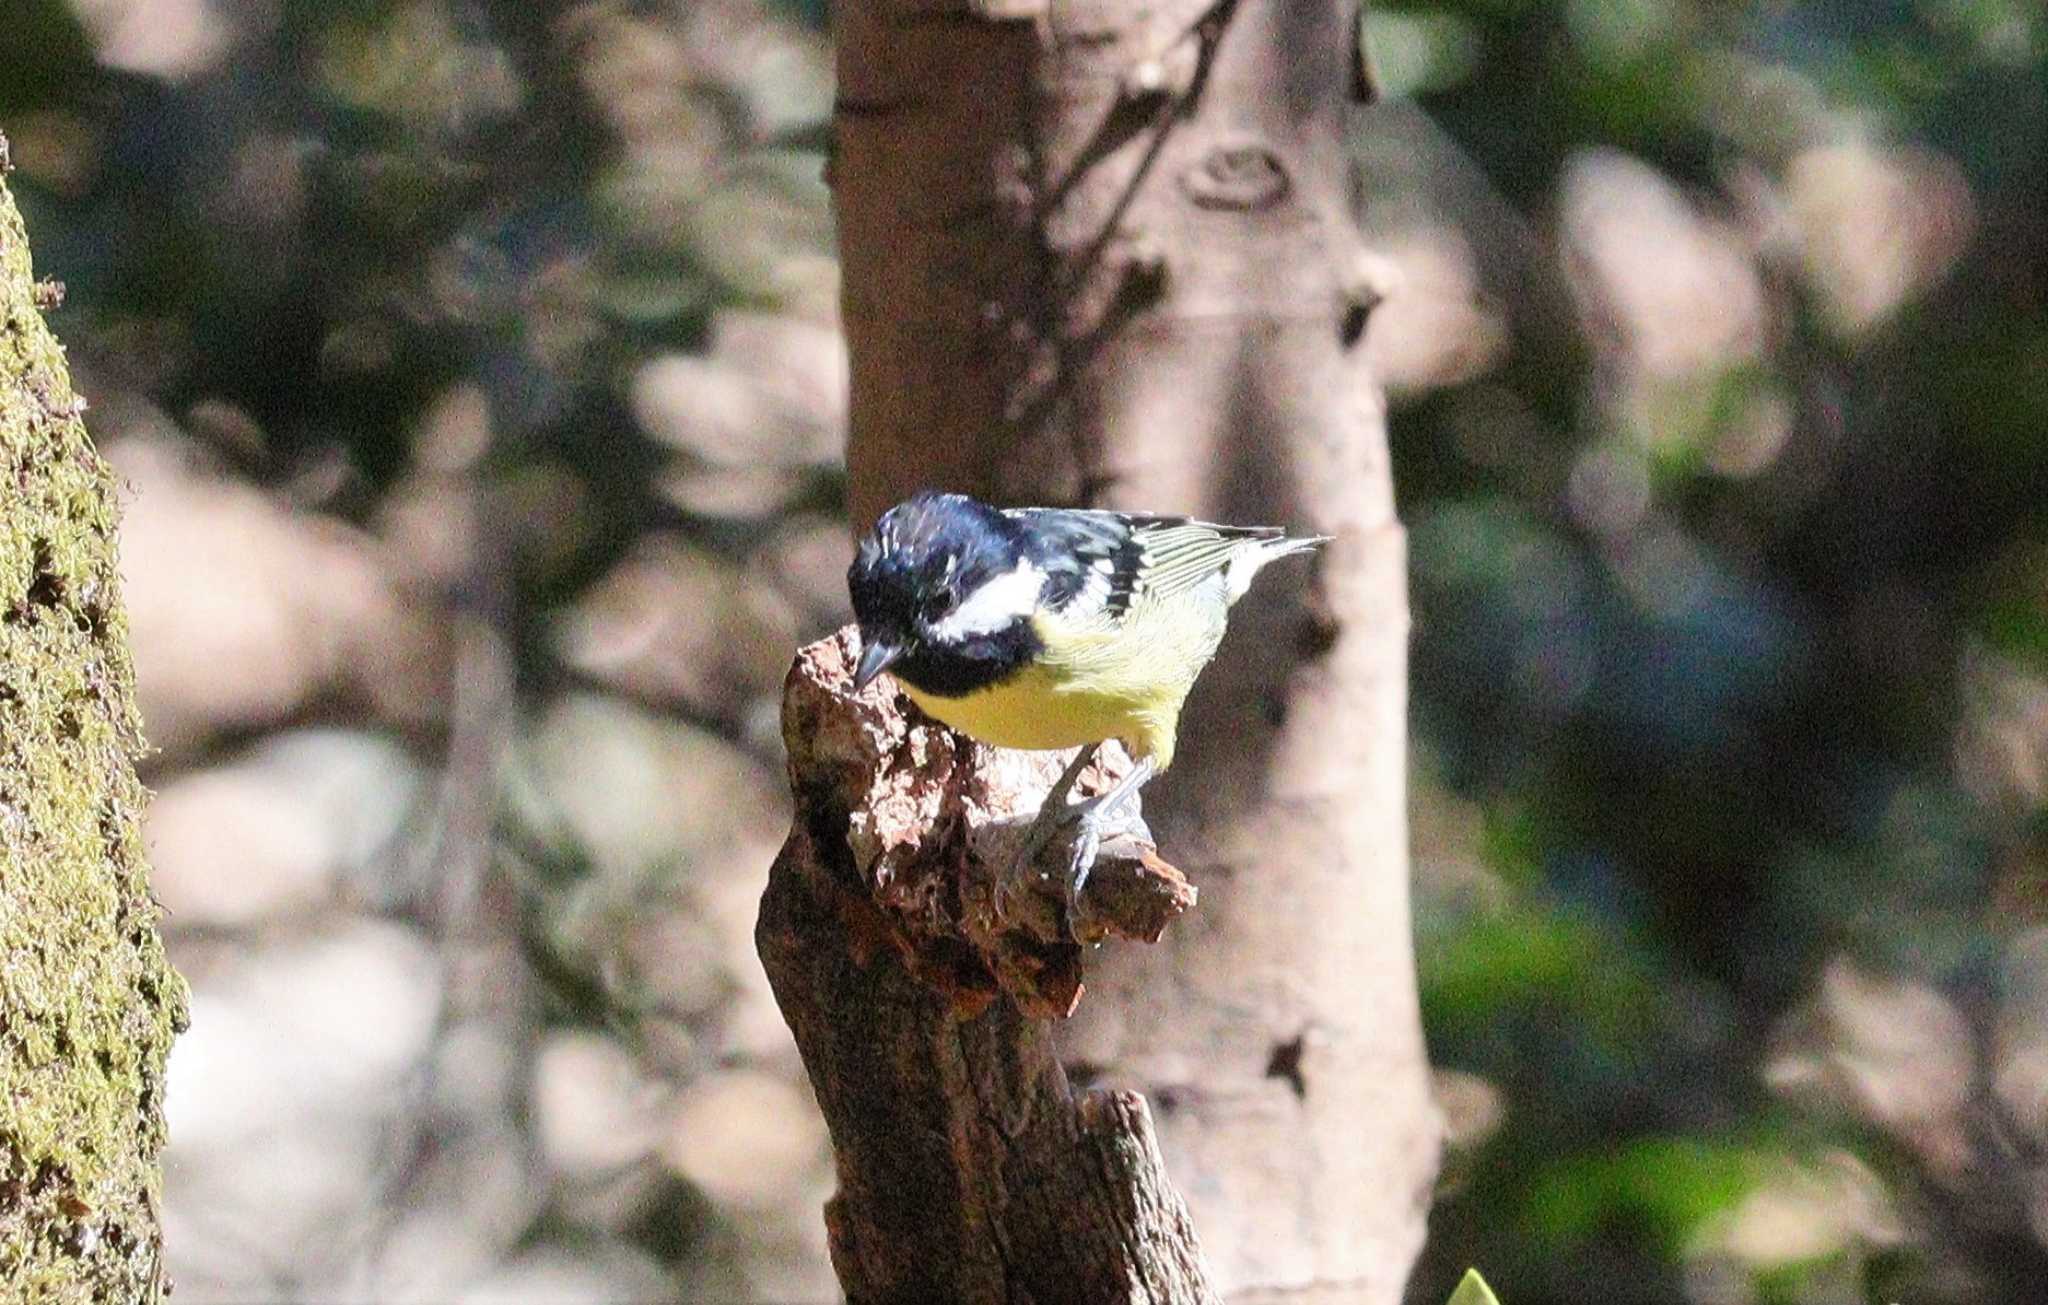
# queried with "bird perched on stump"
point(1050, 628)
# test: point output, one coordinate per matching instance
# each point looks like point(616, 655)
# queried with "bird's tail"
point(1255, 554)
point(1287, 546)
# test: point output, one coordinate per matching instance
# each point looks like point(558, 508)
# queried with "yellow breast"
point(1093, 683)
point(1035, 709)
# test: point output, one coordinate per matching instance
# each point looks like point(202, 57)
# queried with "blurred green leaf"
point(1420, 51)
point(1666, 1186)
point(1476, 968)
point(1512, 837)
point(1472, 1290)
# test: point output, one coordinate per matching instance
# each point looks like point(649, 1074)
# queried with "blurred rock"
point(417, 63)
point(634, 69)
point(671, 624)
point(1472, 1108)
point(455, 531)
point(806, 560)
point(595, 1112)
point(774, 1257)
point(604, 1275)
point(1609, 489)
point(1750, 441)
point(462, 1205)
point(669, 1046)
point(643, 1201)
point(1434, 328)
point(542, 514)
point(171, 39)
point(749, 494)
point(749, 1140)
point(714, 1274)
point(2002, 734)
point(637, 794)
point(711, 408)
point(670, 962)
point(2019, 1056)
point(481, 1067)
point(747, 1027)
point(661, 965)
point(329, 1022)
point(300, 1053)
point(771, 392)
point(429, 521)
point(1668, 289)
point(1449, 834)
point(287, 1202)
point(779, 70)
point(751, 1029)
point(277, 829)
point(1876, 225)
point(1673, 301)
point(454, 432)
point(243, 613)
point(1804, 1212)
point(1894, 1053)
point(61, 151)
point(266, 187)
point(753, 229)
point(782, 1253)
point(219, 424)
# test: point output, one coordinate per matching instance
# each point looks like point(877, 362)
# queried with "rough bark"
point(969, 1171)
point(88, 1002)
point(1104, 251)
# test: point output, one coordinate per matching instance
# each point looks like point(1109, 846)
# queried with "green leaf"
point(1667, 1186)
point(1472, 1290)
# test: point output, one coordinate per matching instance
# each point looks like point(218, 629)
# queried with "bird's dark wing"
point(1091, 559)
point(1108, 560)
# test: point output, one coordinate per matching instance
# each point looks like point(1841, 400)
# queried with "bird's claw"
point(1089, 820)
point(1081, 861)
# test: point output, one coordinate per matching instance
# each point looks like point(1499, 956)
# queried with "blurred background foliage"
point(472, 366)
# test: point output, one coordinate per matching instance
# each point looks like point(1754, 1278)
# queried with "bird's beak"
point(876, 656)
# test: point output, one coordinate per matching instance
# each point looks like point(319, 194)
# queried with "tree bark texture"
point(969, 1171)
point(88, 1002)
point(1106, 251)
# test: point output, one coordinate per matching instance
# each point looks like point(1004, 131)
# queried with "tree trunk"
point(1103, 251)
point(88, 1002)
point(1099, 251)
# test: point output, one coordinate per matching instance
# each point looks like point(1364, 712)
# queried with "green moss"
point(88, 1002)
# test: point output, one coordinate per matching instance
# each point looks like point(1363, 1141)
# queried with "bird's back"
point(1123, 653)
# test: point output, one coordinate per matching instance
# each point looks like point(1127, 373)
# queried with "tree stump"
point(921, 969)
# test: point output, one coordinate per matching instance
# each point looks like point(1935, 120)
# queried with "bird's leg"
point(1052, 812)
point(1091, 818)
point(1056, 796)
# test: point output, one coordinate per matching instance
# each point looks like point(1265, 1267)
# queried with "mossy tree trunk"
point(88, 1002)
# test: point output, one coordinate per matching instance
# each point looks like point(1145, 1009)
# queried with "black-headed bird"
point(1051, 628)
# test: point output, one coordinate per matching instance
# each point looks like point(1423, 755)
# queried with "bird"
point(1052, 628)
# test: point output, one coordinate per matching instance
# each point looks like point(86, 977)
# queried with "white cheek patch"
point(994, 606)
